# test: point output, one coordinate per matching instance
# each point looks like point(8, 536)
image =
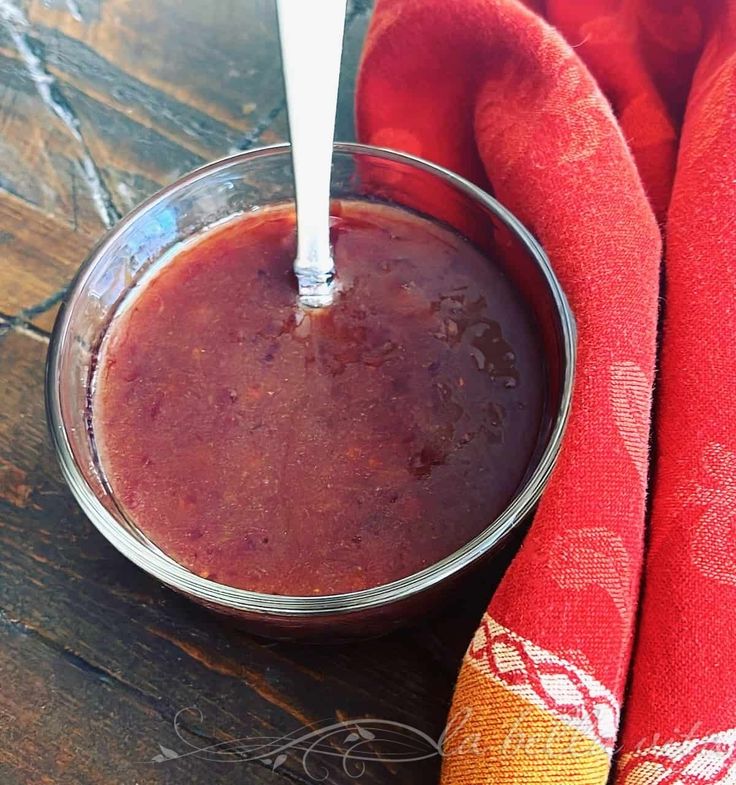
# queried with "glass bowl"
point(247, 182)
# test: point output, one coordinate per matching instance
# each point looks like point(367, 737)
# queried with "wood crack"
point(32, 54)
point(20, 628)
point(49, 302)
point(21, 325)
point(253, 137)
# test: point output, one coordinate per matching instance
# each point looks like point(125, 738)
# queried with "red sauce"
point(327, 451)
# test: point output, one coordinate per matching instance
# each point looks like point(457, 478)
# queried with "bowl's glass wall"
point(246, 183)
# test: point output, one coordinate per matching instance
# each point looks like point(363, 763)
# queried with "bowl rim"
point(226, 598)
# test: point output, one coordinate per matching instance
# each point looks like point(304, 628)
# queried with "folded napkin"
point(680, 717)
point(570, 112)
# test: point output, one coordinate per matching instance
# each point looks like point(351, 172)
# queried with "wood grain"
point(101, 103)
point(39, 254)
point(113, 655)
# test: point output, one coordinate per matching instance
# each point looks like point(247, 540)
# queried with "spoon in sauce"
point(311, 46)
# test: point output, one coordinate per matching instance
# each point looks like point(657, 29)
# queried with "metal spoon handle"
point(311, 45)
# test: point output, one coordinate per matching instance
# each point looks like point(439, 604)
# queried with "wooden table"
point(101, 103)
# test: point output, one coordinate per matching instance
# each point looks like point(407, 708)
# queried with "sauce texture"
point(317, 452)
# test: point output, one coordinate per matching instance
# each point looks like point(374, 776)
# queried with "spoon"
point(311, 46)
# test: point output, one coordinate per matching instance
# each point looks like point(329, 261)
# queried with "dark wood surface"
point(101, 103)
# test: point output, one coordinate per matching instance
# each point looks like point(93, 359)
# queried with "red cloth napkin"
point(680, 720)
point(571, 112)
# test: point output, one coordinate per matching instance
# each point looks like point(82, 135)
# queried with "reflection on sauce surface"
point(319, 452)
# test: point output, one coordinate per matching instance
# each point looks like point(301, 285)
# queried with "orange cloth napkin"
point(573, 113)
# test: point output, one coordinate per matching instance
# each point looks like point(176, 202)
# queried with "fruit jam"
point(306, 452)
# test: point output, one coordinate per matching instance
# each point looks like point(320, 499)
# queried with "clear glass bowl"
point(247, 182)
